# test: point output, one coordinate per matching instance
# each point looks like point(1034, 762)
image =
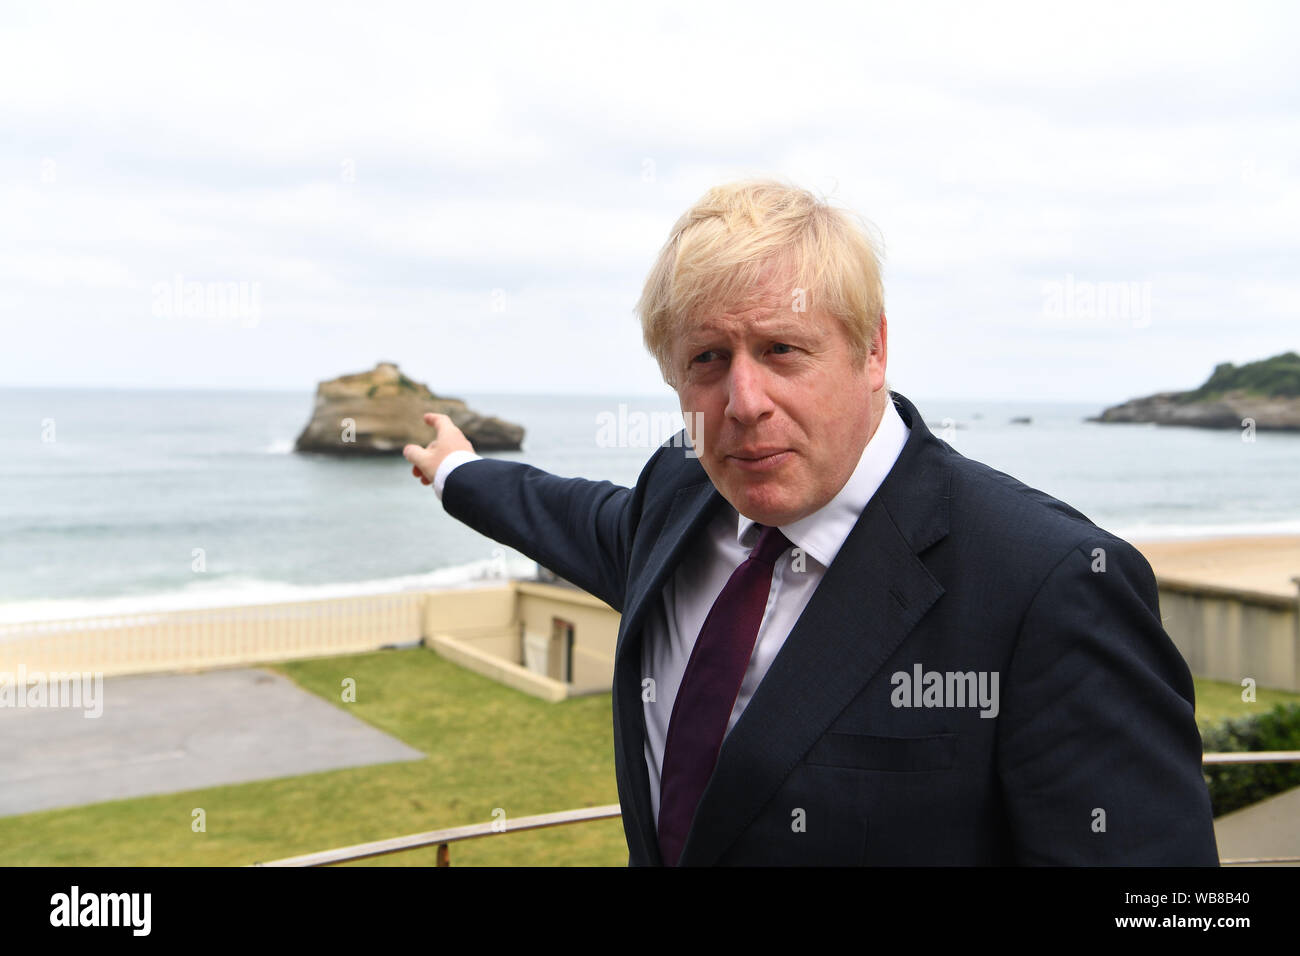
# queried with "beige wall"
point(486, 628)
point(455, 630)
point(486, 618)
point(595, 626)
point(1228, 634)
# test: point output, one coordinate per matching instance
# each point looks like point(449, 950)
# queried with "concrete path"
point(161, 733)
point(1270, 828)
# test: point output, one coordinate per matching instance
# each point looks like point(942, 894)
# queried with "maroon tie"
point(708, 690)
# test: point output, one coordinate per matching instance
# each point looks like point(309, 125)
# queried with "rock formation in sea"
point(1266, 393)
point(381, 411)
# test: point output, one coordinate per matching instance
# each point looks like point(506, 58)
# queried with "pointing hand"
point(425, 461)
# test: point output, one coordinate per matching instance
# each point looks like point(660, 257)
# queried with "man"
point(841, 641)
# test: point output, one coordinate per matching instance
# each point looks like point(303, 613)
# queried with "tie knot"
point(771, 544)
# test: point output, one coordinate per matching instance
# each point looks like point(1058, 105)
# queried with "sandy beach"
point(1259, 563)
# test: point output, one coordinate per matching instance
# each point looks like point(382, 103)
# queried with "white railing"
point(213, 637)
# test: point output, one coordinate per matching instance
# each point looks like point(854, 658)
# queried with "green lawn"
point(488, 746)
point(1216, 700)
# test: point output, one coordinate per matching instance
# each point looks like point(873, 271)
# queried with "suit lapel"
point(872, 596)
point(691, 509)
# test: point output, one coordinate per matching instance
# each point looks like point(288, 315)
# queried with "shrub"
point(1233, 786)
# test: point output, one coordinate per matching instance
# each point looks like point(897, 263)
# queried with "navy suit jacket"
point(1093, 756)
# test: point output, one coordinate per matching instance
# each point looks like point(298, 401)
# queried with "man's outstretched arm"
point(579, 529)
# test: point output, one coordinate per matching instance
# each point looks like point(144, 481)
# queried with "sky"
point(1075, 201)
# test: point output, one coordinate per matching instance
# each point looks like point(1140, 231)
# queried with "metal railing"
point(1246, 757)
point(442, 839)
point(1252, 756)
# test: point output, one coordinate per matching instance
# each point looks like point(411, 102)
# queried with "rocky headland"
point(1266, 392)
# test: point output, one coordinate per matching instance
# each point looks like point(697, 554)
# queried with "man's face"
point(780, 411)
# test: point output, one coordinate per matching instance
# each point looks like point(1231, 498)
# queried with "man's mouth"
point(759, 459)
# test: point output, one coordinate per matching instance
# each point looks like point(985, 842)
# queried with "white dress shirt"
point(674, 622)
point(448, 463)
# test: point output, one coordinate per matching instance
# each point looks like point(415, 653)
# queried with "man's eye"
point(704, 357)
point(782, 345)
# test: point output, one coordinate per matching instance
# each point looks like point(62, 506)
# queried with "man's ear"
point(880, 350)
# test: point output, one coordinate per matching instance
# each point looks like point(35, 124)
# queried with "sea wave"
point(235, 592)
point(1148, 531)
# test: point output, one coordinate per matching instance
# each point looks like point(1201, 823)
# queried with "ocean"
point(118, 501)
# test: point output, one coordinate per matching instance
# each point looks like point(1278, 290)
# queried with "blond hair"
point(724, 249)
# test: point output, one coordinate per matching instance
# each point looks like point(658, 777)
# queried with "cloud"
point(392, 173)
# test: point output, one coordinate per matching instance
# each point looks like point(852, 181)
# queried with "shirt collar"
point(822, 533)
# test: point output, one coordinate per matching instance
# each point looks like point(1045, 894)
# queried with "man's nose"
point(748, 401)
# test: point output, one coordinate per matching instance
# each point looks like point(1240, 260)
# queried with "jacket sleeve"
point(579, 529)
point(1099, 755)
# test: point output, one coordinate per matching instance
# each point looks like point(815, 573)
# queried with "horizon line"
point(456, 393)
